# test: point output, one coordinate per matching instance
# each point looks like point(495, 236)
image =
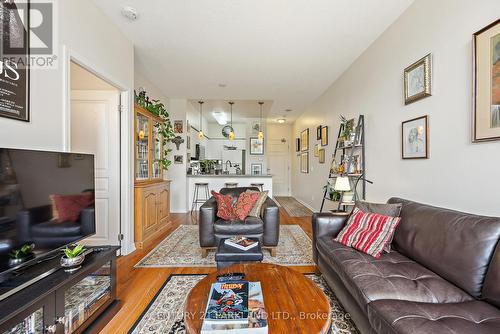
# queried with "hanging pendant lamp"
point(200, 133)
point(261, 133)
point(231, 134)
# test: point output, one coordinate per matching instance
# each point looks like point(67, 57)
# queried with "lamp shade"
point(342, 184)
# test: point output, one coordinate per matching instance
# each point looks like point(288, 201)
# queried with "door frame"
point(126, 212)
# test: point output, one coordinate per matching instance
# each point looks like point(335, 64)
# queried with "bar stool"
point(231, 185)
point(258, 185)
point(196, 196)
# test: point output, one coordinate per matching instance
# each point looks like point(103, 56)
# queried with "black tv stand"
point(59, 302)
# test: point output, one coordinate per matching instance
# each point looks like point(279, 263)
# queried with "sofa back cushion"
point(491, 287)
point(455, 245)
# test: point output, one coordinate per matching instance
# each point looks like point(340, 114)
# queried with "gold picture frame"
point(304, 140)
point(322, 156)
point(304, 162)
point(418, 80)
point(486, 95)
point(324, 135)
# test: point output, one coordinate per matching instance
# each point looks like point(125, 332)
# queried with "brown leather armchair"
point(265, 228)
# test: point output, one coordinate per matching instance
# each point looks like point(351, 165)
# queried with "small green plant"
point(348, 127)
point(72, 253)
point(332, 193)
point(23, 252)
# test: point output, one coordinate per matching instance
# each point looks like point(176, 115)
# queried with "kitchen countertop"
point(230, 175)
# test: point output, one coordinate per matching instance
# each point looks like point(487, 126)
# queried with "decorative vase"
point(73, 264)
point(15, 262)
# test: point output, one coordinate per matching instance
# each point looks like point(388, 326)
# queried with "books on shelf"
point(253, 320)
point(241, 243)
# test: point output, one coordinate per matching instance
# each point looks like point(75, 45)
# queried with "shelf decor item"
point(417, 80)
point(21, 255)
point(486, 112)
point(415, 138)
point(304, 140)
point(73, 258)
point(256, 146)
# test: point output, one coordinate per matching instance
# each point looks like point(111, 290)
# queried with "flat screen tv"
point(46, 202)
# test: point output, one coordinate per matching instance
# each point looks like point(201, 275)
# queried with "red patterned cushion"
point(245, 204)
point(224, 206)
point(68, 207)
point(368, 232)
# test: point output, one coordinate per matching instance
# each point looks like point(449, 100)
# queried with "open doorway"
point(95, 128)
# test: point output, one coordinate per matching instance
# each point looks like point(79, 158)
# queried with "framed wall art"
point(256, 169)
point(256, 146)
point(304, 140)
point(304, 162)
point(297, 144)
point(486, 111)
point(324, 136)
point(417, 80)
point(415, 138)
point(316, 150)
point(178, 126)
point(318, 132)
point(322, 156)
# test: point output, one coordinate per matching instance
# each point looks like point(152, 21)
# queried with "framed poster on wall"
point(14, 58)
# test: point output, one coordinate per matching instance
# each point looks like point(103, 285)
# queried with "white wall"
point(458, 175)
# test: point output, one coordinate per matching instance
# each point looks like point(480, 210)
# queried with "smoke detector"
point(130, 13)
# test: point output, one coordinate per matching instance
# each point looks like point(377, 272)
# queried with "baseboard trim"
point(306, 205)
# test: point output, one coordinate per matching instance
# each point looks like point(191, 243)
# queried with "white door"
point(278, 157)
point(95, 122)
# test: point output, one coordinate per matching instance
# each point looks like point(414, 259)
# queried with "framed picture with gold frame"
point(316, 150)
point(304, 162)
point(304, 140)
point(322, 156)
point(324, 135)
point(417, 80)
point(486, 111)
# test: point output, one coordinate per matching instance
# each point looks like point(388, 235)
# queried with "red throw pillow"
point(245, 204)
point(368, 232)
point(224, 206)
point(68, 207)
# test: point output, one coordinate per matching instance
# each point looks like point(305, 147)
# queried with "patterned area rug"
point(293, 207)
point(165, 312)
point(181, 249)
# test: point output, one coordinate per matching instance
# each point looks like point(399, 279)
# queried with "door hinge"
point(120, 237)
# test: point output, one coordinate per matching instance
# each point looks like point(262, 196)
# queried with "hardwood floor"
point(137, 286)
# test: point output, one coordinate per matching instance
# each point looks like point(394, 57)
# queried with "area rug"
point(293, 207)
point(182, 249)
point(165, 312)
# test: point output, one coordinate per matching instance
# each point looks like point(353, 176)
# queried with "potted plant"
point(346, 135)
point(23, 254)
point(73, 258)
point(332, 193)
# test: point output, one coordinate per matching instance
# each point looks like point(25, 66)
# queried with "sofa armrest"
point(87, 221)
point(326, 224)
point(29, 217)
point(207, 218)
point(270, 215)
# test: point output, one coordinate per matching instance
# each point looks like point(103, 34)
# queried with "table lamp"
point(342, 184)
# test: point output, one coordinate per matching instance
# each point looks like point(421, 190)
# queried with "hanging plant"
point(165, 128)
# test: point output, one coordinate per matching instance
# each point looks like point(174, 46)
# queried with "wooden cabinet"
point(152, 210)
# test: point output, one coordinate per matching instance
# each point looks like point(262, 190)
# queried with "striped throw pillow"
point(368, 232)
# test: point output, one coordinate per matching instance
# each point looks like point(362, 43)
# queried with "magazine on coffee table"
point(256, 322)
point(241, 243)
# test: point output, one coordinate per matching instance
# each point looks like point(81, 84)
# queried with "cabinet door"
point(38, 318)
point(142, 147)
point(150, 214)
point(157, 145)
point(163, 204)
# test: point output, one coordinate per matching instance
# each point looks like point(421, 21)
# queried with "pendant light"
point(200, 133)
point(231, 134)
point(261, 133)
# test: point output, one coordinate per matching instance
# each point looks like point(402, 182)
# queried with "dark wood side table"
point(294, 303)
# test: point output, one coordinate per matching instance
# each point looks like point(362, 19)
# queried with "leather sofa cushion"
point(491, 287)
point(392, 276)
point(394, 316)
point(53, 229)
point(457, 246)
point(250, 226)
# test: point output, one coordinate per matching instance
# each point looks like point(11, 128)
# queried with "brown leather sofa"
point(442, 275)
point(212, 229)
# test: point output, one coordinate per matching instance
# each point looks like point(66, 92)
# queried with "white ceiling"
point(286, 51)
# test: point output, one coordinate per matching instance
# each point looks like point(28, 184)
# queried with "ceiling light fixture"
point(261, 134)
point(231, 134)
point(281, 120)
point(200, 133)
point(220, 117)
point(130, 13)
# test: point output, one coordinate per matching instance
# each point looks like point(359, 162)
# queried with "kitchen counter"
point(216, 182)
point(230, 175)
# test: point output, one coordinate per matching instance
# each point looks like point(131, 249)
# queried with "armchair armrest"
point(271, 217)
point(29, 217)
point(326, 224)
point(87, 220)
point(207, 218)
